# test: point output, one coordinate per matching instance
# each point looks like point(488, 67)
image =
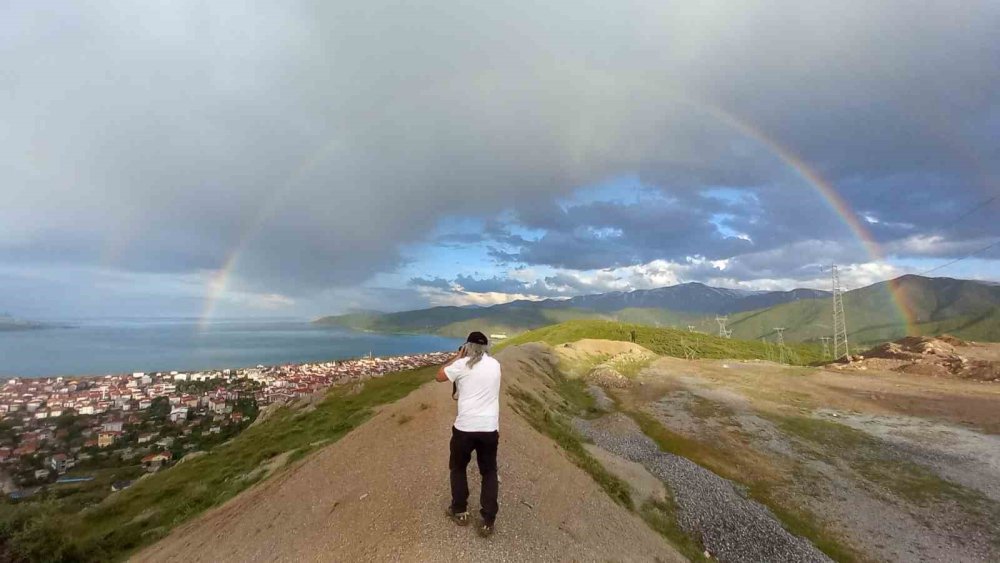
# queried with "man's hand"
point(441, 375)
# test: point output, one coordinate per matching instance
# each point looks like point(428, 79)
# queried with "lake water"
point(97, 347)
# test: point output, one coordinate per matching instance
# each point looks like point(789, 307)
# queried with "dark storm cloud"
point(312, 139)
point(497, 284)
point(553, 286)
point(614, 234)
point(435, 283)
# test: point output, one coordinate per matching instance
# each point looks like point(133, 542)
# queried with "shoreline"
point(115, 347)
point(216, 370)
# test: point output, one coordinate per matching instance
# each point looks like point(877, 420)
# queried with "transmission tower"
point(839, 321)
point(723, 333)
point(782, 356)
point(689, 353)
point(767, 349)
point(826, 346)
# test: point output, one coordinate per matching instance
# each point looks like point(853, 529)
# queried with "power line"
point(975, 208)
point(957, 220)
point(955, 261)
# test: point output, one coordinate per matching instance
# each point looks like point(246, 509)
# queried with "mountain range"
point(966, 308)
point(674, 304)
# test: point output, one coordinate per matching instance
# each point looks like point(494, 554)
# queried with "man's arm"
point(441, 375)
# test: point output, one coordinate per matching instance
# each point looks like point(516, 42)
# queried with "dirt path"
point(968, 403)
point(902, 467)
point(380, 494)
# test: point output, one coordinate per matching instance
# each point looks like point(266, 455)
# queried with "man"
point(477, 378)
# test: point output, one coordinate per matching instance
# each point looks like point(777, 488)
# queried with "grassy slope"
point(499, 324)
point(458, 321)
point(666, 341)
point(551, 415)
point(965, 309)
point(150, 508)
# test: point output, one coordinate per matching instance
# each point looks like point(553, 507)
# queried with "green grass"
point(872, 460)
point(796, 520)
point(152, 507)
point(664, 341)
point(555, 425)
point(967, 309)
point(630, 365)
point(552, 420)
point(661, 516)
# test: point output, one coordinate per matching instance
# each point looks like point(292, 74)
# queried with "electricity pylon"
point(782, 356)
point(689, 353)
point(839, 320)
point(767, 349)
point(723, 333)
point(826, 346)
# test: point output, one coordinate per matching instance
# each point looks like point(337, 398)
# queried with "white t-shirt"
point(478, 394)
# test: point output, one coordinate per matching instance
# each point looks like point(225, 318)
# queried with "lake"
point(102, 346)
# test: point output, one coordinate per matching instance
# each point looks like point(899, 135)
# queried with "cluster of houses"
point(64, 421)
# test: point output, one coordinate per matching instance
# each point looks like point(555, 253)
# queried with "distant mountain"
point(678, 304)
point(965, 308)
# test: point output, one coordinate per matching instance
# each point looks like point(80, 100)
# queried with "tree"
point(159, 408)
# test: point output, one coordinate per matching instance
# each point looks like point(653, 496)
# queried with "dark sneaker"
point(485, 530)
point(460, 518)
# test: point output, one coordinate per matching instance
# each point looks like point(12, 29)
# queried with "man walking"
point(476, 375)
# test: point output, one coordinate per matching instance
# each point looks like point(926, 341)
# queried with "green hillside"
point(65, 527)
point(964, 308)
point(459, 321)
point(665, 341)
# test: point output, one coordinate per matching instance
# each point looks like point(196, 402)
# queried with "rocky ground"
point(891, 466)
point(730, 526)
point(943, 356)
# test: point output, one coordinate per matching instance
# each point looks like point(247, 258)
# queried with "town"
point(108, 431)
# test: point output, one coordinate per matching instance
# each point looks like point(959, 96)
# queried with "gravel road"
point(731, 527)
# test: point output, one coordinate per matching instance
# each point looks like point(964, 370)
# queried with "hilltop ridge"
point(380, 493)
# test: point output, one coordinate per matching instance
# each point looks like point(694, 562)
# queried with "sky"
point(304, 158)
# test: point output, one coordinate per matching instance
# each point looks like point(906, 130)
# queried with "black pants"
point(485, 446)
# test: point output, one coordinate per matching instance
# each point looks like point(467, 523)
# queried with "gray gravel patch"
point(962, 455)
point(716, 510)
point(601, 398)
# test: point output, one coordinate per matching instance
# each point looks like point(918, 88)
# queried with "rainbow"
point(829, 194)
point(220, 279)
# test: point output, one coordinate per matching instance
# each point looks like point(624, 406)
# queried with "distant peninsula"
point(8, 322)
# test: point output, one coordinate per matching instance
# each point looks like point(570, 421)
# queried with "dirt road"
point(381, 491)
point(898, 467)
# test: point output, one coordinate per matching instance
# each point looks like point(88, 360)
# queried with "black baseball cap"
point(477, 338)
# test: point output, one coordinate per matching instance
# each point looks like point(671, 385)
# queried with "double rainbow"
point(221, 279)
